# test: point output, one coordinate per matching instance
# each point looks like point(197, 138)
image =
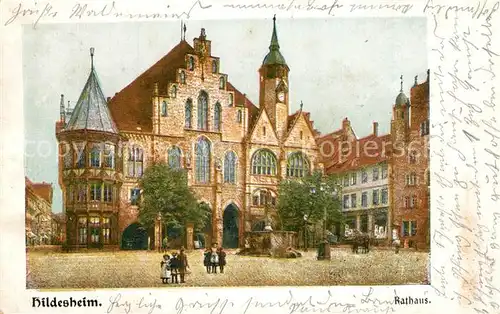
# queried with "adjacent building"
point(40, 226)
point(183, 111)
point(361, 167)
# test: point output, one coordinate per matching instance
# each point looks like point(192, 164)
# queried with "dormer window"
point(173, 91)
point(222, 82)
point(215, 66)
point(191, 63)
point(182, 77)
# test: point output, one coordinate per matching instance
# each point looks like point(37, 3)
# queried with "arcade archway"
point(230, 227)
point(135, 237)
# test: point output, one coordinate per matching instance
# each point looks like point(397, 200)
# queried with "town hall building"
point(184, 111)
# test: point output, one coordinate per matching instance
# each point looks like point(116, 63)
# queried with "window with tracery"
point(174, 157)
point(217, 117)
point(264, 163)
point(188, 111)
point(230, 167)
point(297, 165)
point(135, 162)
point(202, 167)
point(263, 197)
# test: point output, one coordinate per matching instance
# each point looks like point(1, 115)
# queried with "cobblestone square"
point(124, 269)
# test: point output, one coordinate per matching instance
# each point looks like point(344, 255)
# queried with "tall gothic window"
point(174, 157)
point(239, 116)
point(203, 111)
point(95, 157)
point(230, 168)
point(164, 109)
point(217, 117)
point(135, 161)
point(173, 91)
point(222, 82)
point(214, 66)
point(106, 230)
point(188, 113)
point(108, 192)
point(182, 77)
point(297, 165)
point(191, 63)
point(95, 191)
point(264, 162)
point(231, 99)
point(202, 170)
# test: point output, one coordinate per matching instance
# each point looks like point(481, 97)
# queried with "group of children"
point(174, 266)
point(214, 257)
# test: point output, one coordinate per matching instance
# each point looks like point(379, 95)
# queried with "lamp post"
point(158, 232)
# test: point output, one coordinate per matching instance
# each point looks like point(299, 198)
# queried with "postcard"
point(210, 157)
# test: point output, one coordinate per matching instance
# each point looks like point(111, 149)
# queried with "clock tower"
point(274, 85)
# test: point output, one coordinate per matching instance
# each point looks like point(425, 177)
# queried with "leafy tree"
point(165, 190)
point(310, 196)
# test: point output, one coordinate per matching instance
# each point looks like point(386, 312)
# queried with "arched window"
point(264, 162)
point(203, 111)
point(164, 109)
point(202, 170)
point(188, 113)
point(174, 157)
point(263, 197)
point(239, 116)
point(135, 161)
point(95, 157)
point(173, 92)
point(214, 66)
point(182, 77)
point(297, 165)
point(191, 63)
point(230, 168)
point(231, 100)
point(222, 82)
point(217, 116)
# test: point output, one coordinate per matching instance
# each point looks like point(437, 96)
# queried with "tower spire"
point(62, 110)
point(92, 58)
point(401, 90)
point(274, 38)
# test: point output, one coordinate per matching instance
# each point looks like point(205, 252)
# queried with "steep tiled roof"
point(363, 152)
point(43, 189)
point(91, 111)
point(131, 107)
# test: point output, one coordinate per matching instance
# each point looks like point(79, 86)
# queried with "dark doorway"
point(135, 237)
point(230, 227)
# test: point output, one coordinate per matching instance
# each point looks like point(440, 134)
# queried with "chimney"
point(62, 116)
point(375, 128)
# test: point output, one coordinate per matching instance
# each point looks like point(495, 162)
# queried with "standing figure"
point(222, 259)
point(165, 268)
point(214, 258)
point(174, 267)
point(206, 259)
point(183, 264)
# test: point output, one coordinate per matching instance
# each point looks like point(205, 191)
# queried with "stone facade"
point(183, 111)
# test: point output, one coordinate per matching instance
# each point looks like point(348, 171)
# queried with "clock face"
point(281, 96)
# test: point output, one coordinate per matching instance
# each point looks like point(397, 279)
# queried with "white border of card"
point(465, 163)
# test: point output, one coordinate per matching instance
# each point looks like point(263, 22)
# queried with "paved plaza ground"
point(124, 269)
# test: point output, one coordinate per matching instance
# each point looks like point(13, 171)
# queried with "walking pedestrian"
point(222, 259)
point(174, 267)
point(183, 264)
point(206, 259)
